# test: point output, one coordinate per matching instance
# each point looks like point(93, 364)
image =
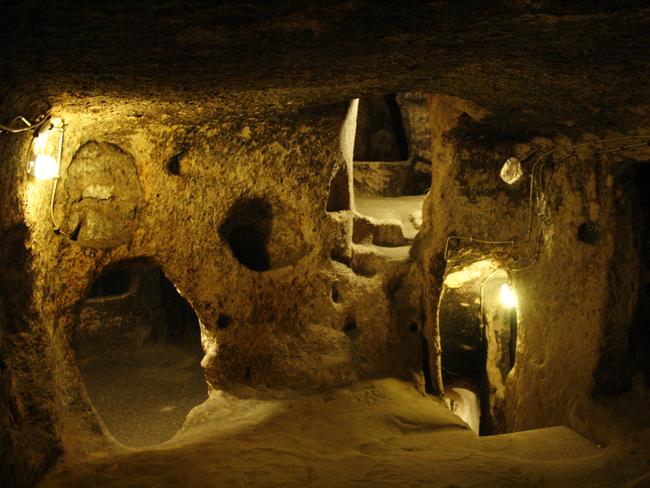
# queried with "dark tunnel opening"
point(138, 347)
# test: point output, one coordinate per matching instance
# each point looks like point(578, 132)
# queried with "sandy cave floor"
point(143, 396)
point(377, 433)
point(402, 210)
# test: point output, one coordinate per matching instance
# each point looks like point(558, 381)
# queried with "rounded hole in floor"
point(139, 353)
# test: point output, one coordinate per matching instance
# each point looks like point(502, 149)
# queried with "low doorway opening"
point(138, 347)
point(478, 332)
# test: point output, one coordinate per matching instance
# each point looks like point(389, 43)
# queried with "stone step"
point(368, 259)
point(384, 232)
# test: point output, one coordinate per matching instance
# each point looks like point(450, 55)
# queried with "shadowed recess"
point(138, 348)
point(247, 230)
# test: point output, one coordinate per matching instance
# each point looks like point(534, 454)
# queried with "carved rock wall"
point(576, 299)
point(198, 201)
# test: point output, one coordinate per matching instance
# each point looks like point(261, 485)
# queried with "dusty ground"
point(222, 88)
point(405, 211)
point(378, 433)
point(143, 398)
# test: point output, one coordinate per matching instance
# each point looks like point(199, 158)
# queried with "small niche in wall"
point(336, 294)
point(263, 235)
point(380, 134)
point(113, 283)
point(174, 164)
point(138, 348)
point(339, 195)
point(102, 196)
point(247, 231)
point(392, 152)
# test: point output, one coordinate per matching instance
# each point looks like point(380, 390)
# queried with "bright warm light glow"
point(475, 271)
point(508, 297)
point(45, 167)
point(40, 142)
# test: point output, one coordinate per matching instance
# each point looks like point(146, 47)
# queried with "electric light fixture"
point(44, 167)
point(48, 144)
point(508, 296)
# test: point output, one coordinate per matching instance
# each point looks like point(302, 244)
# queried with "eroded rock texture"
point(217, 143)
point(565, 319)
point(103, 193)
point(246, 240)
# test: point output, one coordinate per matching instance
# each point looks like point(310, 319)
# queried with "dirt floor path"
point(379, 433)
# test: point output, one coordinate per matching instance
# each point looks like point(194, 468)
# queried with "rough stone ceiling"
point(554, 64)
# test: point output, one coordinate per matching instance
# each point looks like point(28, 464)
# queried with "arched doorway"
point(138, 347)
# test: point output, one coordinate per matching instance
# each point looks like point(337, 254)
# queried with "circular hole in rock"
point(223, 321)
point(589, 232)
point(336, 296)
point(263, 236)
point(247, 230)
point(350, 326)
point(414, 328)
point(138, 347)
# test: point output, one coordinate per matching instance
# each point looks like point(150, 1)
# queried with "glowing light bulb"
point(508, 296)
point(45, 167)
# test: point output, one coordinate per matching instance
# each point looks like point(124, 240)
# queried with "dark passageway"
point(138, 346)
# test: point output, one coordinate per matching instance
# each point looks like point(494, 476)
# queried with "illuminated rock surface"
point(375, 433)
point(216, 143)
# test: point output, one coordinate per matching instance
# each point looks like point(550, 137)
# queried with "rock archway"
point(138, 348)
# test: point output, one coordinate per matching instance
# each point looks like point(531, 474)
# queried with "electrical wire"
point(28, 125)
point(10, 128)
point(54, 224)
point(482, 288)
point(472, 239)
point(536, 190)
point(56, 227)
point(543, 161)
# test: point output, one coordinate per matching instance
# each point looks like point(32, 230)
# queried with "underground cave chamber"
point(283, 314)
point(138, 347)
point(416, 239)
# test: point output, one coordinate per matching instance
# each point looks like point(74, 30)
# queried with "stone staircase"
point(383, 231)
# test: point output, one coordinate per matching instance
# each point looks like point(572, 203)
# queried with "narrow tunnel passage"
point(478, 332)
point(139, 351)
